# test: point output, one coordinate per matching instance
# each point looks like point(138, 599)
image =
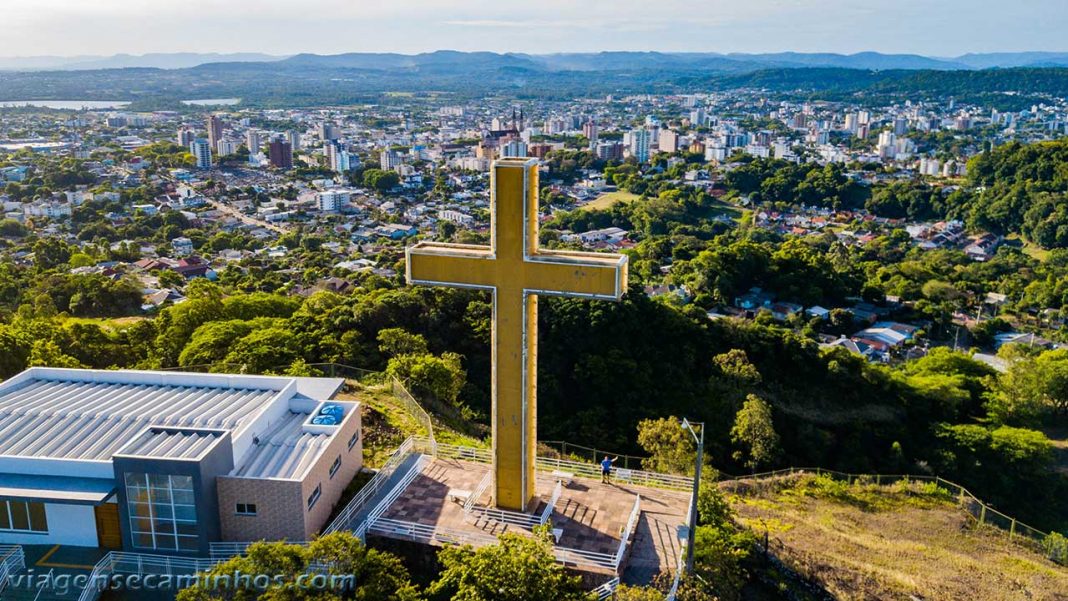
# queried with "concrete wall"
point(67, 525)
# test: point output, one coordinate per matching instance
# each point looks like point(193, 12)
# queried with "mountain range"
point(600, 61)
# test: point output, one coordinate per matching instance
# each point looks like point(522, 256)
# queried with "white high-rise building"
point(226, 147)
point(202, 153)
point(338, 157)
point(186, 137)
point(333, 200)
point(252, 140)
point(639, 144)
point(389, 159)
point(514, 148)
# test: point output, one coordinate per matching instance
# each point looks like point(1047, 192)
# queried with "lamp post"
point(700, 440)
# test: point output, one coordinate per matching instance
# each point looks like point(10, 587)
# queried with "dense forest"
point(290, 84)
point(606, 367)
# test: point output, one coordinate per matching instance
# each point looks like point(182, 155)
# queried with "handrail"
point(14, 560)
point(607, 589)
point(636, 477)
point(389, 499)
point(548, 511)
point(578, 557)
point(626, 460)
point(369, 490)
point(429, 534)
point(483, 484)
point(632, 523)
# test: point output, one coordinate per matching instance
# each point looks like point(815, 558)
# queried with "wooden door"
point(108, 535)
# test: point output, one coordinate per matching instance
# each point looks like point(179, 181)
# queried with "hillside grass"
point(608, 199)
point(387, 422)
point(863, 541)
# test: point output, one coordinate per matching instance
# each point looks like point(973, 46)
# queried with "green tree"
point(671, 447)
point(46, 353)
point(439, 378)
point(376, 576)
point(517, 568)
point(754, 434)
point(398, 341)
point(265, 350)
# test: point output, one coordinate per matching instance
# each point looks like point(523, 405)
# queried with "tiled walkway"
point(591, 514)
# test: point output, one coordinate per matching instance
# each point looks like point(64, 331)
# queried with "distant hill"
point(180, 60)
point(590, 61)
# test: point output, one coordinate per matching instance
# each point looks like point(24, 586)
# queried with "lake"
point(212, 102)
point(73, 105)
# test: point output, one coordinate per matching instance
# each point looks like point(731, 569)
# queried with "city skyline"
point(950, 28)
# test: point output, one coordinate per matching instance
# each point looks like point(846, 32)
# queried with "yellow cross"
point(517, 271)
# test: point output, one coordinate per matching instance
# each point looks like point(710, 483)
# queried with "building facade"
point(166, 462)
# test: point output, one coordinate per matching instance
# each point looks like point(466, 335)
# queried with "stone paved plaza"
point(592, 515)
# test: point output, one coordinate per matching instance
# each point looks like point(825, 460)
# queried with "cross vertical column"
point(515, 345)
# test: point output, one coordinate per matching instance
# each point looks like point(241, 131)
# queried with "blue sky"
point(931, 27)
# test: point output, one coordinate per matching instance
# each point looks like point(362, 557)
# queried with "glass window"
point(355, 437)
point(314, 497)
point(335, 467)
point(38, 522)
point(23, 516)
point(20, 515)
point(246, 509)
point(162, 511)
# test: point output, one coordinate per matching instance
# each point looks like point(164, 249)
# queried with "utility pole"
point(700, 440)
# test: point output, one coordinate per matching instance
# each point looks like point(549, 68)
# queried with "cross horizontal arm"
point(459, 265)
point(587, 275)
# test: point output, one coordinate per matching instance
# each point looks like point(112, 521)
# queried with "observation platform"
point(630, 529)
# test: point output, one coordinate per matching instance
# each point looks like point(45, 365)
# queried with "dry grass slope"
point(898, 542)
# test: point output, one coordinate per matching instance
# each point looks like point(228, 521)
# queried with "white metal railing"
point(550, 464)
point(120, 562)
point(632, 523)
point(91, 591)
point(429, 534)
point(607, 589)
point(515, 518)
point(226, 550)
point(589, 559)
point(680, 565)
point(636, 477)
point(478, 492)
point(358, 503)
point(548, 511)
point(389, 499)
point(451, 451)
point(504, 516)
point(13, 560)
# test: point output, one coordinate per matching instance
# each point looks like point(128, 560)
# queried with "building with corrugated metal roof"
point(169, 462)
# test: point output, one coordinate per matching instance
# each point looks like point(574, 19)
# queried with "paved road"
point(250, 220)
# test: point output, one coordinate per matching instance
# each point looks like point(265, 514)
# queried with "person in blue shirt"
point(606, 469)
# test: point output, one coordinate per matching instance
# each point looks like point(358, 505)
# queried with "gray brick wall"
point(281, 505)
point(351, 462)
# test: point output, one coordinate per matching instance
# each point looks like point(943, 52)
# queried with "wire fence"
point(1050, 544)
point(569, 450)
